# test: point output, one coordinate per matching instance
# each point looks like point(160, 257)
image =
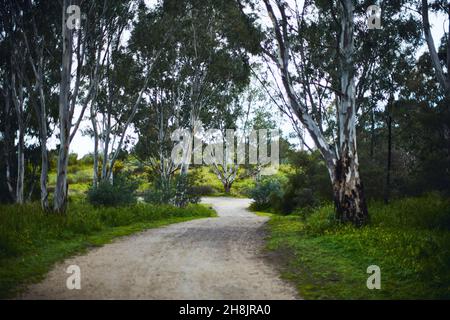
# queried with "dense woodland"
point(368, 110)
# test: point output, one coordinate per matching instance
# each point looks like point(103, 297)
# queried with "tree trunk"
point(349, 199)
point(41, 115)
point(227, 187)
point(18, 100)
point(372, 132)
point(94, 128)
point(20, 166)
point(348, 191)
point(44, 173)
point(8, 145)
point(341, 159)
point(60, 198)
point(389, 161)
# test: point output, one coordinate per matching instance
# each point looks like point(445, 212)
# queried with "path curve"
point(213, 258)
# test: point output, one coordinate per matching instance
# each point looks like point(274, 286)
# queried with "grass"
point(32, 241)
point(408, 239)
point(263, 214)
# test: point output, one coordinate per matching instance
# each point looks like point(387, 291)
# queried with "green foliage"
point(298, 190)
point(160, 195)
point(268, 192)
point(203, 190)
point(408, 239)
point(431, 212)
point(321, 219)
point(119, 193)
point(31, 240)
point(309, 185)
point(171, 192)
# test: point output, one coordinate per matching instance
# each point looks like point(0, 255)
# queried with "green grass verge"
point(262, 214)
point(408, 239)
point(31, 242)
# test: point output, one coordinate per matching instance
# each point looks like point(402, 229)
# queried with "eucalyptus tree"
point(203, 60)
point(320, 56)
point(87, 34)
point(125, 83)
point(154, 128)
point(40, 40)
point(15, 76)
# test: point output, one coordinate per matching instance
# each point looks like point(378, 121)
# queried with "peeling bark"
point(348, 191)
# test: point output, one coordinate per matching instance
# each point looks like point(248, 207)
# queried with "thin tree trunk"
point(94, 128)
point(37, 65)
point(42, 116)
point(44, 173)
point(107, 137)
point(372, 133)
point(389, 161)
point(18, 103)
point(20, 166)
point(389, 157)
point(61, 189)
point(442, 79)
point(8, 145)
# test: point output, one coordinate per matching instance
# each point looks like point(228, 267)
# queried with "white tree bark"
point(37, 64)
point(341, 161)
point(444, 80)
point(61, 188)
point(18, 100)
point(68, 99)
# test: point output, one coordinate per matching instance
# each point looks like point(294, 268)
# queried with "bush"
point(204, 190)
point(308, 186)
point(119, 193)
point(160, 195)
point(172, 193)
point(268, 193)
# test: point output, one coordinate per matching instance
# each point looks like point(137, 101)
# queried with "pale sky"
point(83, 145)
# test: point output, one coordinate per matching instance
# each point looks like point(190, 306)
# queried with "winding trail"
point(214, 258)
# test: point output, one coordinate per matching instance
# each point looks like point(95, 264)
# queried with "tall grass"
point(409, 239)
point(24, 228)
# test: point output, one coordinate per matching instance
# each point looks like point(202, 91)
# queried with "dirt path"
point(214, 258)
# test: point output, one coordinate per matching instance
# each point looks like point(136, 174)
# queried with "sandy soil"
point(215, 258)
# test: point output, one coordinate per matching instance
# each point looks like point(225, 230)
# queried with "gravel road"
point(214, 258)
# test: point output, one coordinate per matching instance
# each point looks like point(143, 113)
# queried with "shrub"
point(308, 186)
point(119, 193)
point(267, 193)
point(172, 193)
point(204, 190)
point(160, 195)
